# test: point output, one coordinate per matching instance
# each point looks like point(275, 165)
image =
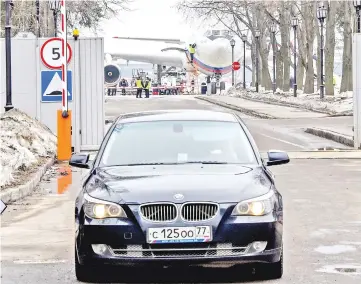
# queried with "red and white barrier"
point(64, 57)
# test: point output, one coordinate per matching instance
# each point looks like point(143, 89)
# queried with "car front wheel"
point(83, 272)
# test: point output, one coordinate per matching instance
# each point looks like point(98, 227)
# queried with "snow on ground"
point(337, 104)
point(25, 144)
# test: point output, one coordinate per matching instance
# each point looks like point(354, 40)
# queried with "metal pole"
point(358, 16)
point(64, 59)
point(257, 71)
point(274, 62)
point(37, 5)
point(55, 23)
point(232, 64)
point(294, 63)
point(8, 105)
point(244, 65)
point(322, 94)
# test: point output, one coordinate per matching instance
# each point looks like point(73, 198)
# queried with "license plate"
point(199, 234)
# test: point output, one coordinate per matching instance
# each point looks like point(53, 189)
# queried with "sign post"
point(356, 63)
point(235, 67)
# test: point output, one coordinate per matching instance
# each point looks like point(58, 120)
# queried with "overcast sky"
point(149, 18)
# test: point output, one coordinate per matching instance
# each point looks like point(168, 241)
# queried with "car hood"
point(217, 183)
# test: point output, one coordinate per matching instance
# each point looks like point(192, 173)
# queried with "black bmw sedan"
point(183, 187)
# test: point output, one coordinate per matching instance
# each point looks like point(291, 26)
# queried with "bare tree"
point(346, 81)
point(81, 13)
point(308, 12)
point(330, 45)
point(284, 16)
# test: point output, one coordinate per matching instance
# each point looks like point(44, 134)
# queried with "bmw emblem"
point(178, 196)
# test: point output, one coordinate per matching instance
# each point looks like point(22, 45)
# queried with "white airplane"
point(213, 56)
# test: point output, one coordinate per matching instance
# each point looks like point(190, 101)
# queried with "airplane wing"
point(165, 40)
point(163, 58)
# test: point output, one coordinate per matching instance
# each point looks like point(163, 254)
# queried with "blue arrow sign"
point(51, 86)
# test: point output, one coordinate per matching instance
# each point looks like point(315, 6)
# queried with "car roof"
point(178, 114)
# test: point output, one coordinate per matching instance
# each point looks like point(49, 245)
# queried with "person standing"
point(192, 51)
point(138, 83)
point(114, 90)
point(146, 86)
point(123, 84)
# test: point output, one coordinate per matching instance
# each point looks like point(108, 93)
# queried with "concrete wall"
point(87, 106)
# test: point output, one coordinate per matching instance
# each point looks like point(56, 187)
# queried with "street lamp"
point(244, 39)
point(233, 43)
point(54, 5)
point(294, 25)
point(273, 31)
point(357, 4)
point(321, 15)
point(257, 34)
point(8, 5)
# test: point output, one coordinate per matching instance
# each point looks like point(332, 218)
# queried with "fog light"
point(100, 249)
point(257, 247)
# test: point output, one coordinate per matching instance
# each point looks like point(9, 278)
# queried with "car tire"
point(83, 272)
point(272, 270)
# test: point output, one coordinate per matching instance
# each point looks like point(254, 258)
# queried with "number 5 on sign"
point(50, 53)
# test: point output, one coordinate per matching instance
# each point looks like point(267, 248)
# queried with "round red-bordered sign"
point(236, 66)
point(50, 53)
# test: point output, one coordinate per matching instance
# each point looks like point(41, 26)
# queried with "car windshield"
point(178, 142)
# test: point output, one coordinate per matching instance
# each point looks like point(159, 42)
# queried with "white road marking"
point(337, 249)
point(283, 141)
point(344, 269)
point(30, 261)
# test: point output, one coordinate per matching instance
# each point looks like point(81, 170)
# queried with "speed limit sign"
point(50, 53)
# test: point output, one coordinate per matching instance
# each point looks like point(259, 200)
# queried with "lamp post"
point(244, 39)
point(54, 5)
point(8, 5)
point(233, 43)
point(294, 25)
point(321, 15)
point(257, 34)
point(273, 31)
point(357, 4)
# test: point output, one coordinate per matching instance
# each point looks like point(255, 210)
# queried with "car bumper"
point(125, 243)
point(268, 256)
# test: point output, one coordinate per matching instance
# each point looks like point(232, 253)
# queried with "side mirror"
point(79, 161)
point(277, 158)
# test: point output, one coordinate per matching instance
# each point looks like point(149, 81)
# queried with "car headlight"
point(259, 206)
point(100, 209)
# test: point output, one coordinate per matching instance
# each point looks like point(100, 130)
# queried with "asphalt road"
point(322, 231)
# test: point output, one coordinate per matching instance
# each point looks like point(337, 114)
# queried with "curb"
point(334, 136)
point(13, 194)
point(237, 108)
point(271, 102)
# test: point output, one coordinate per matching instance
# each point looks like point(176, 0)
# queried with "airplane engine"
point(112, 75)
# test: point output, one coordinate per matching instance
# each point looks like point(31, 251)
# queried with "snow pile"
point(24, 141)
point(339, 104)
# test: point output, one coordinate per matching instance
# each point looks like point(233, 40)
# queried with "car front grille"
point(190, 212)
point(194, 212)
point(159, 212)
point(179, 251)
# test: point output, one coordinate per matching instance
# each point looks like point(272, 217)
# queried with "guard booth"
point(36, 84)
